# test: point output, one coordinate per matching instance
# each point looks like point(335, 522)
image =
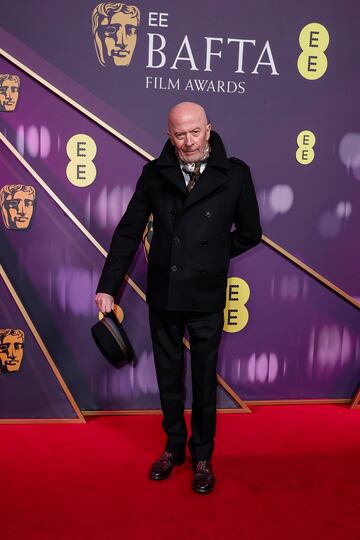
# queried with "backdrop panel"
point(30, 388)
point(280, 83)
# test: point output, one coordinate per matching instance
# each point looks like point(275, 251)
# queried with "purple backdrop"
point(302, 340)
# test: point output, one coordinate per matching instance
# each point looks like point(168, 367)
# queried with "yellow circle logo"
point(81, 150)
point(236, 314)
point(314, 40)
point(305, 152)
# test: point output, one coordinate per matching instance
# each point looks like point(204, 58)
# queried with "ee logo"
point(81, 150)
point(236, 315)
point(305, 152)
point(314, 40)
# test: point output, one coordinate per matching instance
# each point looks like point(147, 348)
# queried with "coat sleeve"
point(126, 239)
point(247, 232)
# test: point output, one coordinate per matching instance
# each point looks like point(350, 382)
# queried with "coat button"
point(204, 242)
point(174, 268)
point(202, 270)
point(208, 214)
point(177, 240)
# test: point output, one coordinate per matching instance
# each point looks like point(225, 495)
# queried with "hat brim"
point(112, 340)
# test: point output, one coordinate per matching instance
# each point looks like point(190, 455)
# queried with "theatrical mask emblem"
point(9, 91)
point(114, 27)
point(11, 350)
point(147, 236)
point(17, 205)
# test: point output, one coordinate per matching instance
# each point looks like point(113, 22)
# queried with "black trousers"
point(167, 331)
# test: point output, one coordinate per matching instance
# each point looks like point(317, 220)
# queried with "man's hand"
point(104, 302)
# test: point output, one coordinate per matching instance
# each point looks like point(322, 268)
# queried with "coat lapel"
point(176, 177)
point(210, 180)
point(169, 167)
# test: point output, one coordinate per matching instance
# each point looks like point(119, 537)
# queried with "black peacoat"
point(195, 234)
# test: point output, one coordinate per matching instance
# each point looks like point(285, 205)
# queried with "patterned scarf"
point(193, 169)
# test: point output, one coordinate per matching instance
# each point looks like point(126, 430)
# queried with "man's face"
point(189, 133)
point(9, 93)
point(18, 210)
point(118, 38)
point(11, 353)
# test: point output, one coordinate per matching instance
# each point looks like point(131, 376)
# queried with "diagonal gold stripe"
point(44, 351)
point(75, 104)
point(242, 405)
point(311, 271)
point(63, 207)
point(145, 154)
point(88, 235)
point(142, 152)
point(355, 404)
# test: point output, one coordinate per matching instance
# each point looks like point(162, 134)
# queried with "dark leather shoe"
point(204, 479)
point(162, 468)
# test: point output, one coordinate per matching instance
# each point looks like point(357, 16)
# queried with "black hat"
point(111, 339)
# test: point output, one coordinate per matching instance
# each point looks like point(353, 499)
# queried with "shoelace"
point(202, 466)
point(165, 456)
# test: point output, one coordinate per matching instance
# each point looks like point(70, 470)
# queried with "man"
point(195, 194)
point(9, 91)
point(114, 26)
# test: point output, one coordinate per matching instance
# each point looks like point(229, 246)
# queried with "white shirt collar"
point(187, 175)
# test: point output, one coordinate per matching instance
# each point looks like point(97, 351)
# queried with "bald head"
point(189, 130)
point(187, 109)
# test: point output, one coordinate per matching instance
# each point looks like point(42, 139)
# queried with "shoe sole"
point(203, 491)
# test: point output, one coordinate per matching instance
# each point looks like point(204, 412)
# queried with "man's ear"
point(208, 130)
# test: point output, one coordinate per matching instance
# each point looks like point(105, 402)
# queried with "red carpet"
point(286, 472)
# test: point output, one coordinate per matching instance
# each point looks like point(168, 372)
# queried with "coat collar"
point(215, 173)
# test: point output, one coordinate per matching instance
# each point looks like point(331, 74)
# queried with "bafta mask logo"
point(17, 206)
point(11, 350)
point(9, 91)
point(114, 26)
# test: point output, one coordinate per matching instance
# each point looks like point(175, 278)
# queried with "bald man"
point(196, 195)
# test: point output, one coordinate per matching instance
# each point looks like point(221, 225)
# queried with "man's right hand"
point(104, 302)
